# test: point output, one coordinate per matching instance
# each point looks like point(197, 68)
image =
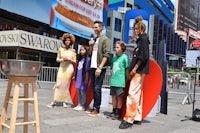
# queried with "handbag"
point(196, 115)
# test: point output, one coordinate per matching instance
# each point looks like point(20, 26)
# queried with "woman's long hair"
point(85, 57)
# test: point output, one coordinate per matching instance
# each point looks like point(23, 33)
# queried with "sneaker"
point(75, 107)
point(79, 108)
point(116, 117)
point(94, 113)
point(137, 122)
point(53, 104)
point(124, 125)
point(111, 115)
point(65, 105)
point(117, 114)
point(90, 111)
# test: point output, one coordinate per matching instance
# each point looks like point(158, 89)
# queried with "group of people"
point(92, 64)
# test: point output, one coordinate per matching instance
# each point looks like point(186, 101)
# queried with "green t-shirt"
point(118, 67)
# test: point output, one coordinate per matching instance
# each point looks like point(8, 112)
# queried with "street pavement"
point(67, 120)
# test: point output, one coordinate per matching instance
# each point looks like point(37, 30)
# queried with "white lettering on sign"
point(194, 34)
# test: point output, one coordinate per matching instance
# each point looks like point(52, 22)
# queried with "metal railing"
point(106, 81)
point(197, 78)
point(175, 79)
point(49, 74)
point(2, 77)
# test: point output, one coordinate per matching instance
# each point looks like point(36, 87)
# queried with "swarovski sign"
point(29, 40)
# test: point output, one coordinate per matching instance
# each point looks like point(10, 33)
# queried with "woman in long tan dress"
point(66, 56)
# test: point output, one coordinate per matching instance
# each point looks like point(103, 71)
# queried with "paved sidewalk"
point(66, 120)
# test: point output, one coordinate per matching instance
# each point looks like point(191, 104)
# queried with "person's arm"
point(99, 68)
point(106, 56)
point(139, 62)
point(103, 62)
point(86, 78)
point(59, 58)
point(127, 73)
point(75, 69)
point(91, 44)
point(143, 54)
point(72, 59)
point(106, 52)
point(111, 67)
point(88, 63)
point(127, 66)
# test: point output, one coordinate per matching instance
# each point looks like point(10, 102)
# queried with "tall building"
point(198, 14)
point(187, 25)
point(187, 18)
point(163, 8)
point(186, 15)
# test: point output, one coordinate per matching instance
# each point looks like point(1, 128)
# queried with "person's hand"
point(97, 72)
point(131, 74)
point(86, 81)
point(91, 42)
point(73, 77)
point(66, 58)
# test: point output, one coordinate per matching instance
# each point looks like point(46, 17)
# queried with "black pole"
point(195, 78)
point(193, 102)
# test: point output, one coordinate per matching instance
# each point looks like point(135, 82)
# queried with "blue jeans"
point(97, 83)
point(81, 97)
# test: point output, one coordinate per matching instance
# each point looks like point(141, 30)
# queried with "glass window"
point(114, 41)
point(108, 21)
point(118, 23)
point(129, 5)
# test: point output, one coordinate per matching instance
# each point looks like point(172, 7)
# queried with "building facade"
point(187, 26)
point(160, 27)
point(186, 15)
